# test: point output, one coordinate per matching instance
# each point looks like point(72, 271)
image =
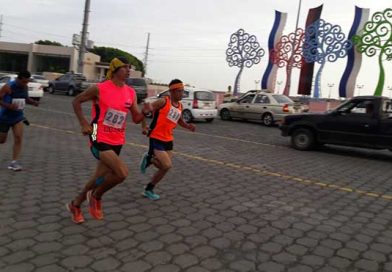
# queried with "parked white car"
point(35, 89)
point(42, 80)
point(198, 104)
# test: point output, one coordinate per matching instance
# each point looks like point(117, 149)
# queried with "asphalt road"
point(238, 198)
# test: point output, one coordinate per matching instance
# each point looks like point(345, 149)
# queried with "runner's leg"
point(162, 159)
point(17, 130)
point(117, 175)
point(3, 137)
point(100, 172)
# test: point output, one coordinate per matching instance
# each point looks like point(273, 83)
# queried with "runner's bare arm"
point(90, 94)
point(3, 91)
point(137, 116)
point(32, 102)
point(186, 125)
point(156, 105)
point(144, 127)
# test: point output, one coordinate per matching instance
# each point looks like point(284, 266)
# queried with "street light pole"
point(359, 87)
point(330, 85)
point(257, 84)
point(390, 91)
point(279, 82)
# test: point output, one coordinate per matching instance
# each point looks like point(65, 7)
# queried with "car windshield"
point(136, 82)
point(206, 96)
point(282, 99)
point(37, 77)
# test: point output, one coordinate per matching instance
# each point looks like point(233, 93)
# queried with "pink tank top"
point(109, 113)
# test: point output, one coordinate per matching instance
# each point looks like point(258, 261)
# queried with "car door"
point(349, 124)
point(383, 138)
point(240, 108)
point(259, 105)
point(62, 82)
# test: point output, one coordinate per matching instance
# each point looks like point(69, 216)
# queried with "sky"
point(188, 39)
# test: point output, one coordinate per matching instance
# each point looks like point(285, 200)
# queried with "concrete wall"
point(89, 69)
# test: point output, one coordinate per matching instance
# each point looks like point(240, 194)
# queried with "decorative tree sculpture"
point(324, 42)
point(377, 35)
point(243, 51)
point(288, 52)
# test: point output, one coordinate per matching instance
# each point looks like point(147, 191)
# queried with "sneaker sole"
point(14, 169)
point(154, 199)
point(69, 209)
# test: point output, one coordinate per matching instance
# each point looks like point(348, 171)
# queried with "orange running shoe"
point(77, 216)
point(94, 206)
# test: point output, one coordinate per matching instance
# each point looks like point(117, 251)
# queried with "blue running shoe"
point(145, 162)
point(151, 195)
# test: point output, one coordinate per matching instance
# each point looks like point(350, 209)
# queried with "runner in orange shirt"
point(166, 115)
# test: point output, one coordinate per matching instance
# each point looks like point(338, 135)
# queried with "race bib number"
point(114, 118)
point(174, 114)
point(20, 102)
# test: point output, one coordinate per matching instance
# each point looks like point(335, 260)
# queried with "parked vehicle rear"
point(140, 86)
point(70, 83)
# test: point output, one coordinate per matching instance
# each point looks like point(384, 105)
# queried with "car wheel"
point(71, 91)
point(303, 139)
point(209, 120)
point(50, 89)
point(225, 114)
point(268, 119)
point(187, 116)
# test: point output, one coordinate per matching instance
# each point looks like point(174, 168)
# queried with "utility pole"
point(1, 23)
point(82, 48)
point(146, 54)
point(330, 85)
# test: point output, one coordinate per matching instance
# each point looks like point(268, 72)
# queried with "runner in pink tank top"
point(112, 101)
point(109, 113)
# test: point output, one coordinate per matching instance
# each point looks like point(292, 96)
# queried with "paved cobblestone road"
point(238, 199)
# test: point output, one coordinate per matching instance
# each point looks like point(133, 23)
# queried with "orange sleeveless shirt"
point(165, 121)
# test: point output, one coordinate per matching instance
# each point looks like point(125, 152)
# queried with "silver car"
point(260, 105)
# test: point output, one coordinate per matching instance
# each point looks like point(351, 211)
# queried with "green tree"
point(47, 42)
point(108, 53)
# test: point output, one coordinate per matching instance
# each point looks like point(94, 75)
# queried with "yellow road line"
point(255, 170)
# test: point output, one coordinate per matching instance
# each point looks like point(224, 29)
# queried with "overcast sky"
point(188, 38)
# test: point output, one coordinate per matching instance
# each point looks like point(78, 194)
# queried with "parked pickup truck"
point(70, 83)
point(363, 121)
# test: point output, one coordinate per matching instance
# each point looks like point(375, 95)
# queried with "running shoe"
point(15, 166)
point(94, 206)
point(151, 195)
point(145, 162)
point(76, 213)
